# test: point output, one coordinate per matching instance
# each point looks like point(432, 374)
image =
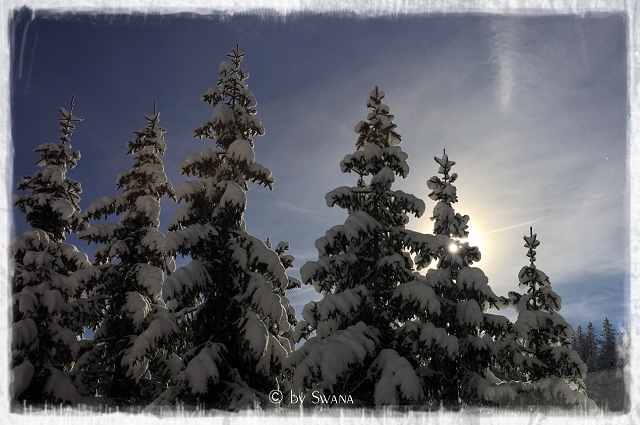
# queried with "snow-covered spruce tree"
point(554, 371)
point(124, 283)
point(368, 279)
point(46, 329)
point(229, 301)
point(460, 345)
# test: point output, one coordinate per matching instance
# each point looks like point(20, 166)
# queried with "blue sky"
point(533, 110)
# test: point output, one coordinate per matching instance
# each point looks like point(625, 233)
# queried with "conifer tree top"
point(66, 122)
point(531, 242)
point(380, 128)
point(51, 201)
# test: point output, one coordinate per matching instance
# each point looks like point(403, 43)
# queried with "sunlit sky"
point(532, 109)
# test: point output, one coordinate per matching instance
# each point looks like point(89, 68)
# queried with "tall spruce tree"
point(368, 279)
point(125, 282)
point(577, 341)
point(229, 301)
point(463, 342)
point(590, 348)
point(46, 329)
point(554, 371)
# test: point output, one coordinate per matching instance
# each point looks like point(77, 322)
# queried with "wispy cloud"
point(526, 223)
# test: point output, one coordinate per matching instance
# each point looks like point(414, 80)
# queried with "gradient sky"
point(532, 109)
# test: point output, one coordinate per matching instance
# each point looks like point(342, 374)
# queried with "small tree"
point(125, 282)
point(46, 329)
point(608, 355)
point(463, 341)
point(368, 279)
point(577, 341)
point(229, 302)
point(554, 371)
point(590, 348)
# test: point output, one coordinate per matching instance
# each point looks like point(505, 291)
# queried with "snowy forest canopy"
point(405, 317)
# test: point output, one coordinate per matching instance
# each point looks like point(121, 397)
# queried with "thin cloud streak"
point(518, 225)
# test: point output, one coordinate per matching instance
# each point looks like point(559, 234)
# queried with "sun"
point(473, 239)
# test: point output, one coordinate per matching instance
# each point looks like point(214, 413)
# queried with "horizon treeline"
point(220, 332)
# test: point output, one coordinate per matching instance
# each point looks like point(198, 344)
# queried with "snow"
point(360, 223)
point(256, 334)
point(173, 365)
point(211, 92)
point(138, 307)
point(185, 279)
point(153, 240)
point(343, 303)
point(117, 249)
point(265, 301)
point(222, 114)
point(53, 301)
point(194, 161)
point(39, 259)
point(70, 252)
point(53, 174)
point(161, 327)
point(242, 151)
point(203, 368)
point(99, 233)
point(558, 389)
point(492, 389)
point(26, 300)
point(430, 335)
point(63, 207)
point(418, 294)
point(410, 202)
point(150, 277)
point(187, 189)
point(150, 207)
point(276, 353)
point(529, 320)
point(325, 360)
point(445, 164)
point(469, 313)
point(185, 239)
point(233, 196)
point(258, 254)
point(323, 313)
point(263, 173)
point(397, 380)
point(138, 369)
point(342, 192)
point(24, 332)
point(383, 178)
point(65, 336)
point(21, 376)
point(106, 203)
point(59, 385)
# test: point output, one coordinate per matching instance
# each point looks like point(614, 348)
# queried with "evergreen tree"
point(577, 341)
point(229, 302)
point(554, 371)
point(608, 354)
point(46, 329)
point(125, 282)
point(366, 274)
point(590, 349)
point(462, 342)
